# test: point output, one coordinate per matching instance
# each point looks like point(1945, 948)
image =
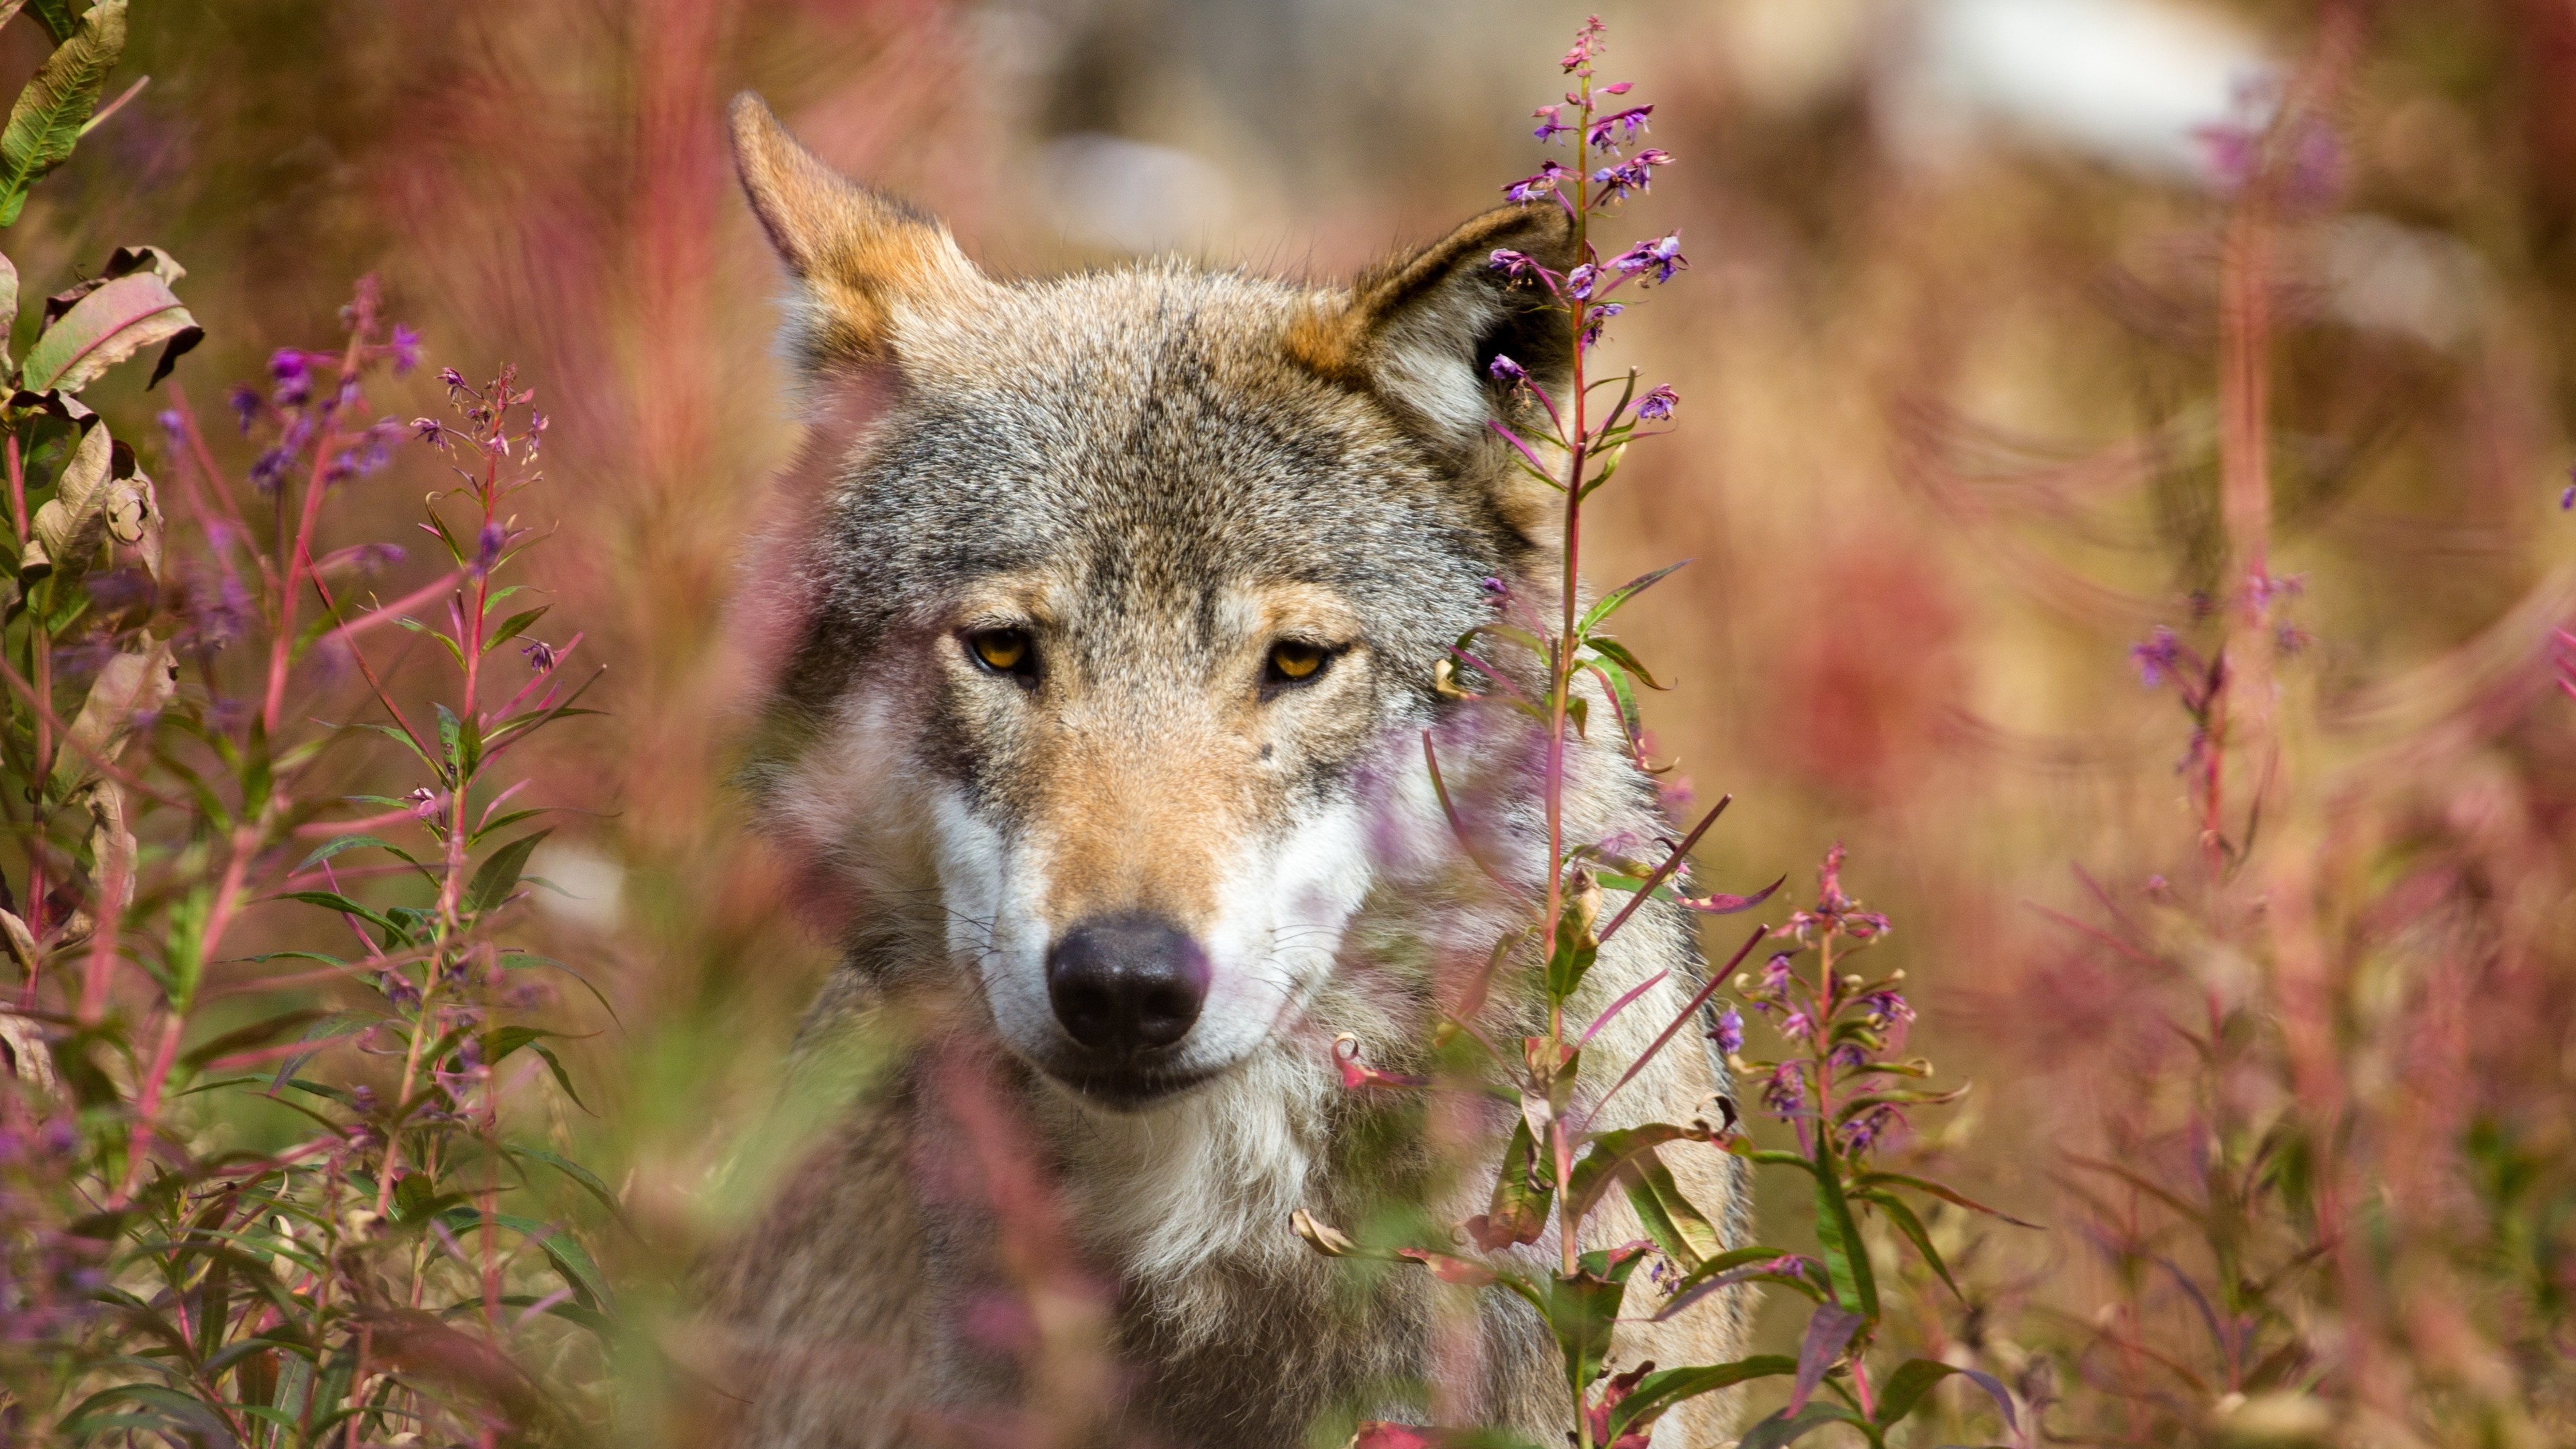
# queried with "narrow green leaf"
point(334, 901)
point(1664, 1388)
point(1670, 1217)
point(1912, 1227)
point(500, 874)
point(1779, 1429)
point(582, 1177)
point(1612, 601)
point(512, 627)
point(1838, 1236)
point(1915, 1377)
point(1939, 1190)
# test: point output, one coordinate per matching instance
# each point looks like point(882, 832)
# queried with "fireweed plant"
point(1836, 1085)
point(207, 929)
point(380, 1275)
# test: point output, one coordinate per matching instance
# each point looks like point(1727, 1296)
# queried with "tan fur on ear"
point(1413, 330)
point(1336, 343)
point(863, 258)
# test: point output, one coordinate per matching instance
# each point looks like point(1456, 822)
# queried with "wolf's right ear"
point(862, 260)
point(1422, 330)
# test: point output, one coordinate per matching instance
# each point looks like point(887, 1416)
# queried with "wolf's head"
point(1119, 626)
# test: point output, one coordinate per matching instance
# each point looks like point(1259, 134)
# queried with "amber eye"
point(1294, 660)
point(1003, 651)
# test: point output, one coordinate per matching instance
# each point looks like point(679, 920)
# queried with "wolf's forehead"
point(1144, 435)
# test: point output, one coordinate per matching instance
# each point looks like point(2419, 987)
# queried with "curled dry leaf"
point(132, 685)
point(1326, 1239)
point(101, 496)
point(22, 1041)
point(112, 321)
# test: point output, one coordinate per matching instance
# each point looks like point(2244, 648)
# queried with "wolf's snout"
point(1126, 984)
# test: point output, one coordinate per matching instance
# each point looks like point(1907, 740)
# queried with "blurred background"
point(1949, 356)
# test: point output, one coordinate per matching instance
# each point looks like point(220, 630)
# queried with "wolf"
point(1111, 663)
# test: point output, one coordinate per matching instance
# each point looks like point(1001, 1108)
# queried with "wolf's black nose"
point(1126, 984)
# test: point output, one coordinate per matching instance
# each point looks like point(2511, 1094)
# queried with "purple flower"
point(1597, 317)
point(541, 656)
point(487, 547)
point(430, 431)
point(398, 989)
point(243, 399)
point(1503, 369)
point(1625, 124)
point(424, 802)
point(1532, 187)
point(1797, 1026)
point(1578, 283)
point(1729, 1033)
point(1887, 1008)
point(1549, 127)
point(269, 469)
point(2160, 656)
point(1657, 405)
point(1496, 587)
point(1775, 973)
point(2567, 500)
point(406, 349)
point(1634, 174)
point(1865, 1131)
point(1517, 266)
point(1661, 256)
point(173, 425)
point(293, 374)
point(1785, 1094)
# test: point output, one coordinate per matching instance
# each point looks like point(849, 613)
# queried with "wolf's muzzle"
point(1125, 985)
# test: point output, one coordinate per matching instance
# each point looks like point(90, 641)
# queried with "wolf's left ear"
point(1422, 330)
point(863, 260)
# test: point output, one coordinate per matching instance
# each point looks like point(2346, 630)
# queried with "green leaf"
point(512, 627)
point(1838, 1236)
point(500, 874)
point(50, 112)
point(57, 18)
point(510, 1038)
point(1915, 1377)
point(255, 1034)
point(1582, 1310)
point(1608, 1157)
point(1664, 1388)
point(1780, 1429)
point(1940, 1190)
point(1611, 602)
point(586, 1179)
point(1617, 653)
point(1521, 1196)
point(1671, 1219)
point(116, 320)
point(339, 845)
point(334, 901)
point(1912, 1227)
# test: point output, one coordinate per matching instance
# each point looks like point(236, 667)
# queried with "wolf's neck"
point(1205, 1181)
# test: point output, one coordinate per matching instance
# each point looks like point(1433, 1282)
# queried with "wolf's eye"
point(1293, 661)
point(1003, 651)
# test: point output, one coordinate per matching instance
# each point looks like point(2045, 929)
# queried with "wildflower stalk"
point(1560, 1162)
